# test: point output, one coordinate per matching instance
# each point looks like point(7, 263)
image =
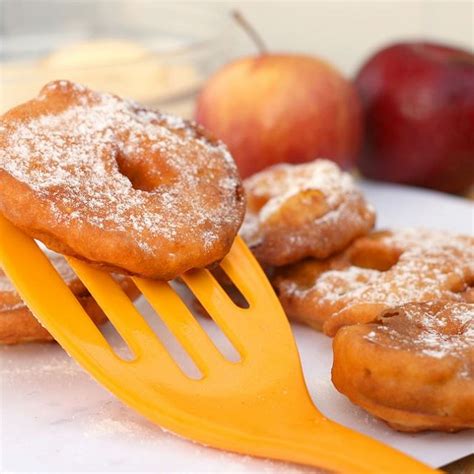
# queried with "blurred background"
point(162, 54)
point(200, 36)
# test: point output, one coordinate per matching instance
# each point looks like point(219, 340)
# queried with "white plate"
point(55, 418)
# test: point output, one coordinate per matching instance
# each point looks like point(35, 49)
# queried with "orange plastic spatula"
point(259, 405)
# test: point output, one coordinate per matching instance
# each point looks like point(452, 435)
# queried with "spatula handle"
point(333, 447)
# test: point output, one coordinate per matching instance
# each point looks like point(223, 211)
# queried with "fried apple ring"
point(413, 367)
point(17, 324)
point(125, 188)
point(377, 272)
point(307, 210)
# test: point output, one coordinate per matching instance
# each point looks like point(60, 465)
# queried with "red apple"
point(418, 100)
point(274, 108)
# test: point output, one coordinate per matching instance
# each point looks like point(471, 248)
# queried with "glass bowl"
point(157, 53)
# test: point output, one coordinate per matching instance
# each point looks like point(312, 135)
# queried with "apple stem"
point(250, 30)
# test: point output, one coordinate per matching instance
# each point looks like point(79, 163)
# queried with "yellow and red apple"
point(418, 101)
point(274, 108)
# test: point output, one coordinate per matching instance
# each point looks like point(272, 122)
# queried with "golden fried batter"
point(17, 324)
point(413, 367)
point(308, 210)
point(125, 188)
point(377, 272)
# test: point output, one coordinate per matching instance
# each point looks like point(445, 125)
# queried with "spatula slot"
point(116, 342)
point(220, 340)
point(171, 344)
point(181, 323)
point(217, 336)
point(216, 302)
point(230, 288)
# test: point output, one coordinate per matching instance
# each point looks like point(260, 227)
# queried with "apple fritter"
point(413, 367)
point(377, 272)
point(307, 210)
point(125, 188)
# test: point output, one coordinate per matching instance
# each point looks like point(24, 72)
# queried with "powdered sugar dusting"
point(273, 187)
point(432, 329)
point(70, 159)
point(429, 267)
point(296, 211)
point(321, 175)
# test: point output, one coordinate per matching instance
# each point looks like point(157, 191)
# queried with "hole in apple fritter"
point(146, 172)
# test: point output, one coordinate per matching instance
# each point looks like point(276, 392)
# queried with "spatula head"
point(151, 382)
point(258, 405)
